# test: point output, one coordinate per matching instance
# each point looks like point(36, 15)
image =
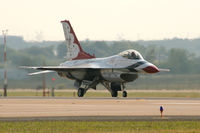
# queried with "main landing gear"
point(81, 91)
point(114, 93)
point(87, 84)
point(114, 87)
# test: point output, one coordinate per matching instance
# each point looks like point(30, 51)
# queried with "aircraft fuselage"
point(113, 69)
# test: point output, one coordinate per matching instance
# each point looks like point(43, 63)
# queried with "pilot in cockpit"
point(131, 54)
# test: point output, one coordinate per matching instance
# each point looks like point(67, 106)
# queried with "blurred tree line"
point(179, 61)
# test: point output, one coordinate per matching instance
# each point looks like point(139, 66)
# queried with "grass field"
point(100, 127)
point(150, 82)
point(60, 93)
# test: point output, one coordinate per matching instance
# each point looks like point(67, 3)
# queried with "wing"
point(50, 69)
point(40, 72)
point(60, 68)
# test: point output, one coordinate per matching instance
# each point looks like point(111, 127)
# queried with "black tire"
point(124, 94)
point(80, 92)
point(114, 93)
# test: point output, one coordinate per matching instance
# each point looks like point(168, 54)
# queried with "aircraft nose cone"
point(151, 69)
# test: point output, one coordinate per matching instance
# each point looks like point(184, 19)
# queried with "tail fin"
point(75, 52)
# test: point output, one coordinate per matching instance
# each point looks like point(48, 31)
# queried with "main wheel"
point(124, 94)
point(80, 92)
point(114, 93)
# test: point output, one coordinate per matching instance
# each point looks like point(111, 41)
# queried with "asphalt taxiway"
point(40, 108)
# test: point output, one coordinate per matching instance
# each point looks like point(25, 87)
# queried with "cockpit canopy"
point(131, 54)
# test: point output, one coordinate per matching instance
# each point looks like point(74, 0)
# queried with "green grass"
point(100, 127)
point(107, 94)
point(162, 81)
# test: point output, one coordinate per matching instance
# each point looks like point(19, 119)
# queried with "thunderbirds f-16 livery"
point(88, 71)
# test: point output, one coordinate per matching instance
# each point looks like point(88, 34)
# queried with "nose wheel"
point(124, 94)
point(81, 92)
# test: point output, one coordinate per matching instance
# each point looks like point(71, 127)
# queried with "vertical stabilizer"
point(74, 50)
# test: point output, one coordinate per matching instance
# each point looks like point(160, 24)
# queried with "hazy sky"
point(102, 19)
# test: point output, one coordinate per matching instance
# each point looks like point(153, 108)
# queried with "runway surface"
point(39, 108)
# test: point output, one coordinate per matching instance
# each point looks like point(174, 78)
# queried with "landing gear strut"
point(124, 93)
point(88, 84)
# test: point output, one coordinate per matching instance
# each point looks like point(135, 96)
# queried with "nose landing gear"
point(81, 92)
point(124, 94)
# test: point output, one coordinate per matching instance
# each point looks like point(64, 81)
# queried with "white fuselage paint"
point(113, 62)
point(110, 68)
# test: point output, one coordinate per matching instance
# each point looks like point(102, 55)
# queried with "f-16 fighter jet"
point(88, 71)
